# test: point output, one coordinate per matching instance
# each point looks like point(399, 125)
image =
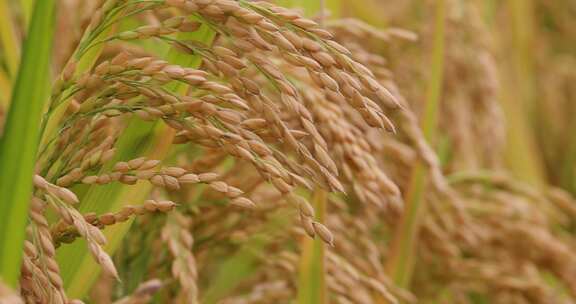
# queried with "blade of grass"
point(152, 140)
point(312, 272)
point(10, 45)
point(18, 146)
point(401, 261)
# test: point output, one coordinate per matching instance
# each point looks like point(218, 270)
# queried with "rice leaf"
point(18, 146)
point(8, 40)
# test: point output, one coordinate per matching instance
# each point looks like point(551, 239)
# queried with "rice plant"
point(237, 151)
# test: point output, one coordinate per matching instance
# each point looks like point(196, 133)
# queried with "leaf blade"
point(18, 146)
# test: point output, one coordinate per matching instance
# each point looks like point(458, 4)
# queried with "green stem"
point(401, 262)
point(312, 272)
point(518, 101)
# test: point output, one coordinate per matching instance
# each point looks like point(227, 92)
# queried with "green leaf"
point(26, 6)
point(8, 40)
point(18, 146)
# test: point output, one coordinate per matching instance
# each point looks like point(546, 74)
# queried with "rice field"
point(289, 151)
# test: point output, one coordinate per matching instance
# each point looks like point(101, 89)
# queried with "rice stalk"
point(521, 151)
point(312, 272)
point(401, 261)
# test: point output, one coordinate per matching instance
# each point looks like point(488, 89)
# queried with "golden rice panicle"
point(253, 126)
point(63, 232)
point(45, 260)
point(230, 111)
point(94, 237)
point(177, 236)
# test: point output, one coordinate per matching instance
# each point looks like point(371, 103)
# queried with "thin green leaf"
point(19, 145)
point(10, 45)
point(26, 6)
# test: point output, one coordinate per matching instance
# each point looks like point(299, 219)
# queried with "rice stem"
point(401, 262)
point(312, 271)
